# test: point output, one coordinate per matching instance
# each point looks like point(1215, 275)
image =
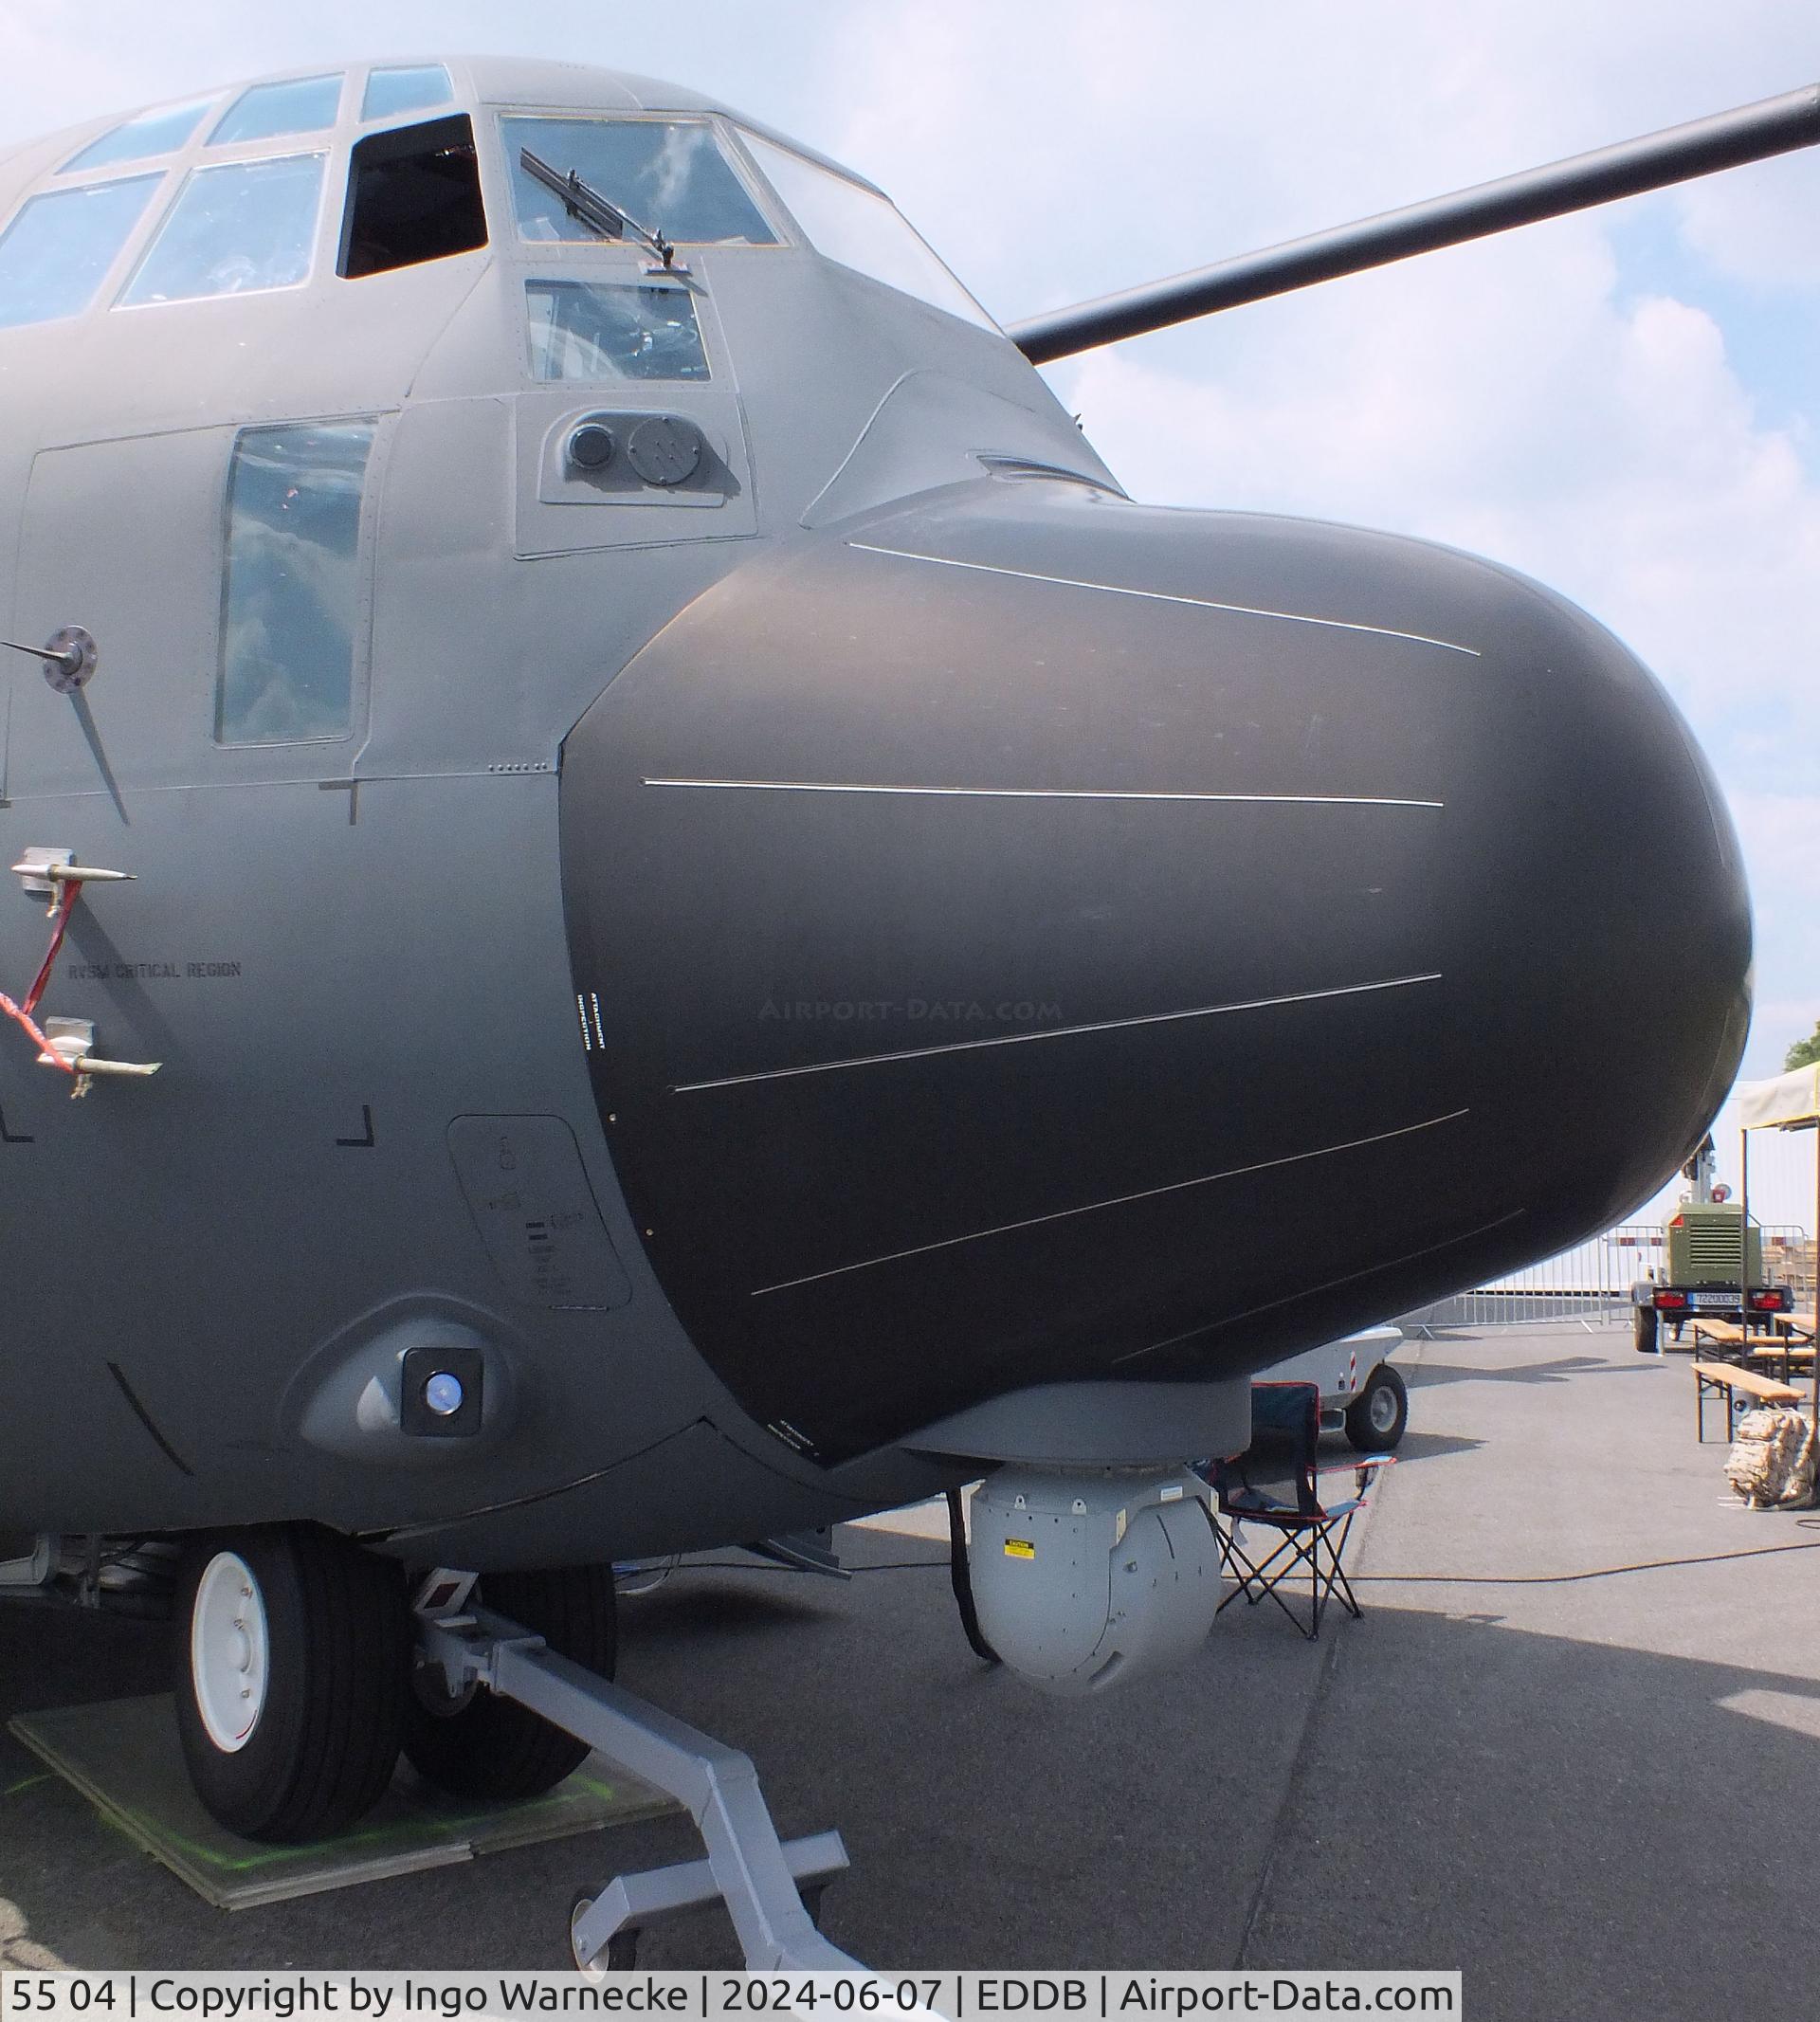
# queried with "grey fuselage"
point(882, 957)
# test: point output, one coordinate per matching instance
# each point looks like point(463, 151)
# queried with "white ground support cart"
point(1361, 1394)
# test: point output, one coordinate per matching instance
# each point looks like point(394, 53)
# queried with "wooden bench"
point(1721, 1334)
point(1734, 1340)
point(1720, 1379)
point(1781, 1356)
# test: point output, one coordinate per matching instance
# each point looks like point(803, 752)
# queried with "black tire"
point(1645, 1330)
point(492, 1748)
point(1379, 1415)
point(325, 1735)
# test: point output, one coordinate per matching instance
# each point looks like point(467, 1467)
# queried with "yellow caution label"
point(1019, 1548)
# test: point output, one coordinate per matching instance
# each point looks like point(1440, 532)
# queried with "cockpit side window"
point(862, 229)
point(291, 591)
point(236, 228)
point(613, 330)
point(57, 251)
point(669, 174)
point(413, 194)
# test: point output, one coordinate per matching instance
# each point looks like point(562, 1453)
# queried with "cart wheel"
point(1377, 1417)
point(586, 1967)
point(1645, 1330)
point(618, 1954)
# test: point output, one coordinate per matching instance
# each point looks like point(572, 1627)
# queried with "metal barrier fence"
point(1590, 1283)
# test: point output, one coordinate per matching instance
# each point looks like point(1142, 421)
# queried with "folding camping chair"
point(1275, 1483)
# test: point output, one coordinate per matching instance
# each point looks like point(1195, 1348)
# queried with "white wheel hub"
point(229, 1652)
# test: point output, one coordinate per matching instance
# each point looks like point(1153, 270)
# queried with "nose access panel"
point(528, 1191)
point(633, 469)
point(1049, 938)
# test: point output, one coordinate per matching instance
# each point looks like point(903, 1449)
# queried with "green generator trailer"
point(1712, 1266)
point(1702, 1248)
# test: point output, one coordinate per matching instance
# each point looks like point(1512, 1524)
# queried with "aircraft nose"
point(1043, 937)
point(1593, 904)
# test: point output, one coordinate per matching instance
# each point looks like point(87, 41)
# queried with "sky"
point(1625, 404)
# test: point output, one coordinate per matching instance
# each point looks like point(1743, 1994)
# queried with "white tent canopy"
point(1788, 1102)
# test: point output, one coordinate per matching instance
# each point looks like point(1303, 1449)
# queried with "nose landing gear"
point(292, 1680)
point(766, 1884)
point(297, 1693)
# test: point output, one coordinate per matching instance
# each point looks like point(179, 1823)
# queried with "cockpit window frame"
point(193, 172)
point(337, 120)
point(79, 168)
point(752, 186)
point(108, 278)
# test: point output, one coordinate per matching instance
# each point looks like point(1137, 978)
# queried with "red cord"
point(24, 1018)
point(21, 1013)
point(72, 891)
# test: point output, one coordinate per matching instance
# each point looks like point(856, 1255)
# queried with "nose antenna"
point(69, 656)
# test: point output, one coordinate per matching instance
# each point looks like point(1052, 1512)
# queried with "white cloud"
point(1758, 224)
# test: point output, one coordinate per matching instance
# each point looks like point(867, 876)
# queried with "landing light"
point(444, 1393)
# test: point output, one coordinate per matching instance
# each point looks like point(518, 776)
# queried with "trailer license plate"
point(1715, 1298)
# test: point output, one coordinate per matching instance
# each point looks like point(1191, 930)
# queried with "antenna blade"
point(1724, 140)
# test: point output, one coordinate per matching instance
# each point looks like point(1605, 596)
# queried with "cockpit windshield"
point(56, 252)
point(159, 132)
point(295, 105)
point(238, 227)
point(861, 230)
point(671, 174)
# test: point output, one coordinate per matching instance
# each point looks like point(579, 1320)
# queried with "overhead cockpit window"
point(235, 229)
point(668, 175)
point(304, 106)
point(152, 133)
point(291, 591)
point(57, 251)
point(413, 194)
point(862, 230)
point(588, 330)
point(404, 87)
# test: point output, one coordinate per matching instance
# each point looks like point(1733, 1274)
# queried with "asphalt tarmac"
point(1594, 1795)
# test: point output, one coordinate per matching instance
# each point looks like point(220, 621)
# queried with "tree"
point(1804, 1052)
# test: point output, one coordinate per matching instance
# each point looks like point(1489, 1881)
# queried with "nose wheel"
point(292, 1679)
point(229, 1652)
point(477, 1745)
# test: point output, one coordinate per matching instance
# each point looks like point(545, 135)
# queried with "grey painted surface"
point(339, 949)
